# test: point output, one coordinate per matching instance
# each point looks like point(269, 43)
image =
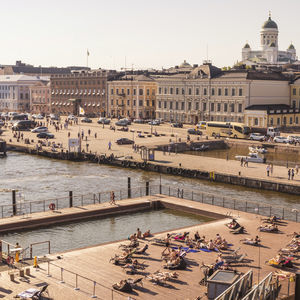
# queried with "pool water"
point(97, 231)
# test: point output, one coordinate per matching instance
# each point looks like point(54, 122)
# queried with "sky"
point(139, 34)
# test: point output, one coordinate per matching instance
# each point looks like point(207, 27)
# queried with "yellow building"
point(295, 93)
point(133, 97)
point(263, 116)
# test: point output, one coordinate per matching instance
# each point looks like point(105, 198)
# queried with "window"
point(240, 92)
point(197, 91)
point(197, 106)
point(219, 92)
point(271, 121)
point(204, 106)
point(296, 120)
point(171, 91)
point(117, 91)
point(159, 91)
point(177, 91)
point(166, 91)
point(219, 107)
point(278, 121)
point(141, 92)
point(240, 107)
point(21, 96)
point(171, 105)
point(204, 91)
point(122, 92)
point(165, 104)
point(284, 120)
point(232, 92)
point(291, 120)
point(212, 107)
point(128, 102)
point(212, 91)
point(112, 91)
point(225, 107)
point(153, 92)
point(140, 102)
point(255, 121)
point(147, 102)
point(159, 104)
point(226, 91)
point(232, 107)
point(182, 91)
point(189, 105)
point(294, 92)
point(153, 103)
point(294, 104)
point(134, 102)
point(134, 91)
point(148, 92)
point(128, 91)
point(190, 91)
point(112, 102)
point(182, 105)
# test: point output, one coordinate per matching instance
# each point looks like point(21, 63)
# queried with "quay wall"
point(238, 179)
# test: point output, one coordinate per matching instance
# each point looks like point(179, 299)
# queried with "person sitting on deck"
point(133, 237)
point(211, 245)
point(146, 233)
point(223, 245)
point(197, 236)
point(218, 240)
point(233, 224)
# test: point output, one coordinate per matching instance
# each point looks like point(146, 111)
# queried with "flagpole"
point(87, 58)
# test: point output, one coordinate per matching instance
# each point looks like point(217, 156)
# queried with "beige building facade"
point(209, 94)
point(40, 95)
point(134, 96)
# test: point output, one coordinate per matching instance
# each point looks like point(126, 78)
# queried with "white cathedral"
point(269, 53)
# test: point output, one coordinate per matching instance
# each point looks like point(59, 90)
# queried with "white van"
point(201, 124)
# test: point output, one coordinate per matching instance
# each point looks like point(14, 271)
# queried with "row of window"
point(291, 121)
point(141, 92)
point(213, 91)
point(73, 91)
point(82, 82)
point(121, 102)
point(212, 107)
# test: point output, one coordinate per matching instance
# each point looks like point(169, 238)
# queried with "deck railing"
point(26, 208)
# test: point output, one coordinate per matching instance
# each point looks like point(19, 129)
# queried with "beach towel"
point(187, 249)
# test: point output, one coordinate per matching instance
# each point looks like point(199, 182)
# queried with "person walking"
point(292, 174)
point(271, 169)
point(167, 241)
point(242, 161)
point(289, 174)
point(246, 162)
point(109, 145)
point(112, 198)
point(268, 170)
point(296, 169)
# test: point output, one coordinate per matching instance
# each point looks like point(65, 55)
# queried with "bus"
point(23, 125)
point(228, 129)
point(19, 117)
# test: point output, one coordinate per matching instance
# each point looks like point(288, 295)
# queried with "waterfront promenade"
point(93, 262)
point(99, 145)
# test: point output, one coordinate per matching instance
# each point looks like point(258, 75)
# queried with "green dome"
point(291, 47)
point(270, 24)
point(247, 45)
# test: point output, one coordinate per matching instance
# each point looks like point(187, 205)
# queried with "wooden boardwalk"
point(93, 262)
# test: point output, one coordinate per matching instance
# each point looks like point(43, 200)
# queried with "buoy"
point(35, 264)
point(17, 256)
point(52, 206)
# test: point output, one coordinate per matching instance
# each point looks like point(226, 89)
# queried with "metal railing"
point(81, 283)
point(38, 243)
point(239, 288)
point(264, 209)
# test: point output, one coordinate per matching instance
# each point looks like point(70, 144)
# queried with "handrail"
point(76, 287)
point(39, 243)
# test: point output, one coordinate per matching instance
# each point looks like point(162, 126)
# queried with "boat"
point(201, 148)
point(251, 157)
point(258, 149)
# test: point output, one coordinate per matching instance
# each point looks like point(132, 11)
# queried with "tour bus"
point(23, 125)
point(19, 117)
point(228, 129)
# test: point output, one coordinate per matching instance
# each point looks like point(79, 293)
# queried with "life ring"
point(169, 170)
point(52, 206)
point(156, 168)
point(10, 260)
point(127, 163)
point(123, 163)
point(175, 171)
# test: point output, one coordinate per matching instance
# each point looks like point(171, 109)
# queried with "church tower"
point(269, 34)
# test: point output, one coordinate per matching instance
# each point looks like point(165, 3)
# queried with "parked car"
point(154, 122)
point(124, 141)
point(45, 135)
point(194, 131)
point(281, 139)
point(86, 120)
point(255, 136)
point(40, 129)
point(38, 117)
point(139, 121)
point(177, 125)
point(54, 117)
point(293, 139)
point(103, 120)
point(123, 122)
point(71, 117)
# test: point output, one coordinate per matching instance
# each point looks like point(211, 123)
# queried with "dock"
point(90, 271)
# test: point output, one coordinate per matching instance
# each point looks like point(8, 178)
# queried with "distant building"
point(133, 97)
point(26, 69)
point(40, 96)
point(88, 88)
point(295, 93)
point(208, 93)
point(15, 91)
point(269, 53)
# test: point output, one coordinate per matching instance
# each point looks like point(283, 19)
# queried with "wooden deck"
point(93, 262)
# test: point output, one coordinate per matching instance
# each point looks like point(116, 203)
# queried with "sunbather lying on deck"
point(251, 241)
point(233, 224)
point(268, 228)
